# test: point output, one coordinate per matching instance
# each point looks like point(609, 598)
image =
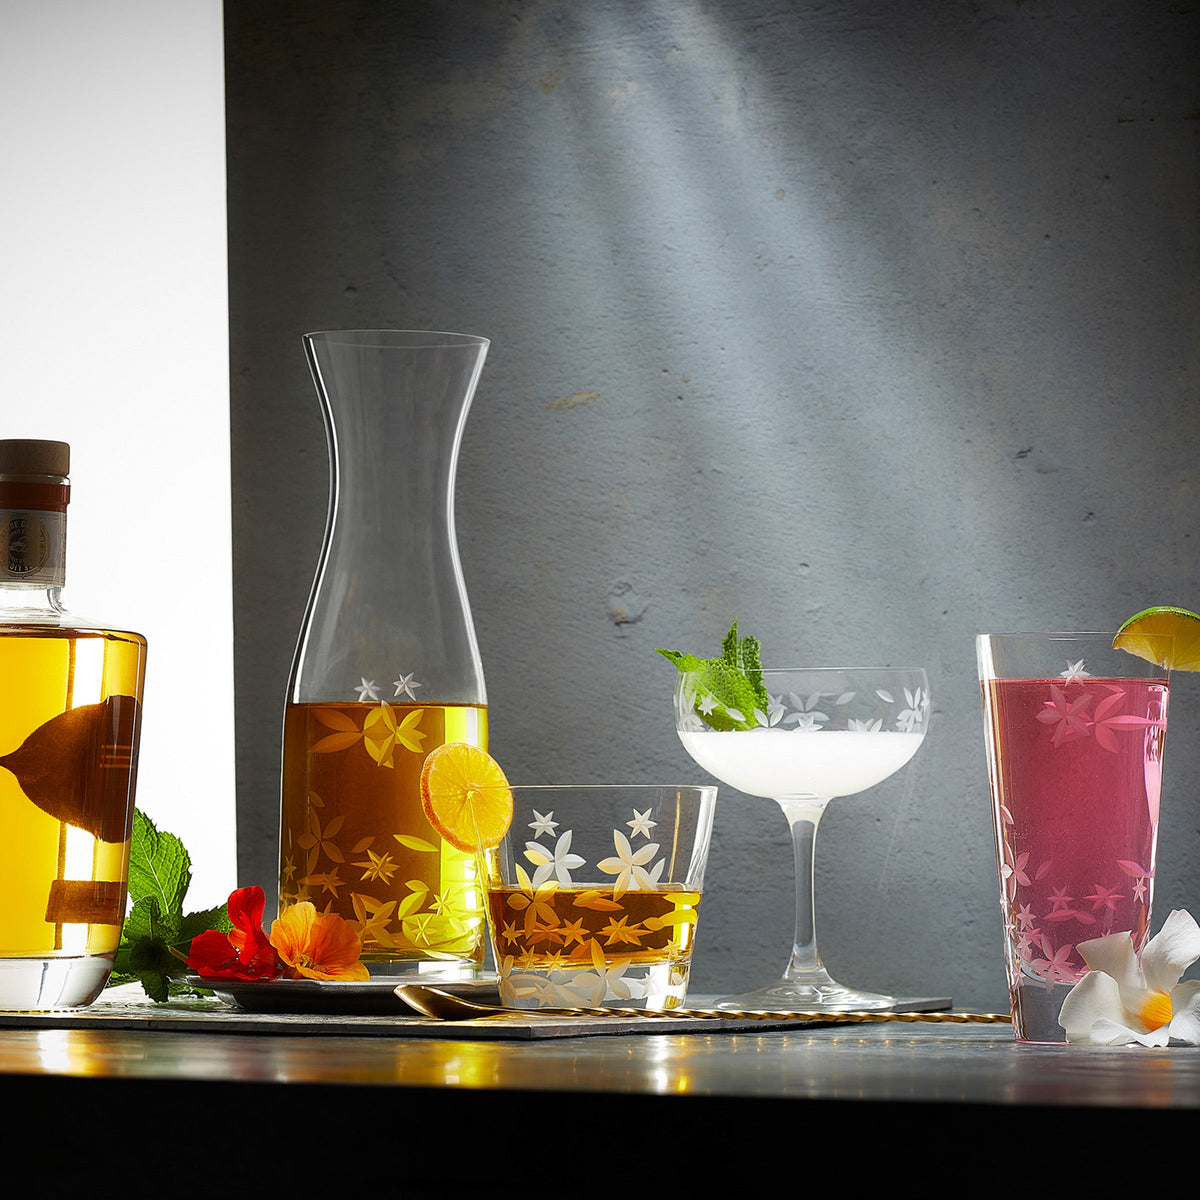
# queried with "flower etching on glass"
point(809, 713)
point(1090, 713)
point(374, 869)
point(561, 943)
point(1048, 906)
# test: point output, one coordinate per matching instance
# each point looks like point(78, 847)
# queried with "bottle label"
point(32, 547)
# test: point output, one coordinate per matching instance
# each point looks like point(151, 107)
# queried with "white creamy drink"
point(802, 762)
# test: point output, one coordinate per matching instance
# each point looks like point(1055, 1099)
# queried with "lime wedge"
point(1138, 635)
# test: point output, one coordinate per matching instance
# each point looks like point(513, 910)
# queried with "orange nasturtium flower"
point(316, 945)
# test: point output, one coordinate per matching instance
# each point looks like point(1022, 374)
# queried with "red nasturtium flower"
point(317, 945)
point(303, 944)
point(245, 952)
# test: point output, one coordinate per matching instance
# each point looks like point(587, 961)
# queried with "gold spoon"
point(445, 1006)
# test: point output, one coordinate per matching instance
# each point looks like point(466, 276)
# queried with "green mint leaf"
point(144, 954)
point(156, 933)
point(728, 689)
point(159, 866)
point(151, 961)
point(145, 920)
point(196, 923)
point(743, 656)
point(685, 662)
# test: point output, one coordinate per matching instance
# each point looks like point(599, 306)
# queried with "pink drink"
point(1076, 775)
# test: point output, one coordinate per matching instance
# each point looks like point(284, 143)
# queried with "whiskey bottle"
point(70, 722)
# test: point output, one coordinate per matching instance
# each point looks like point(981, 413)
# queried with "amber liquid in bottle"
point(68, 733)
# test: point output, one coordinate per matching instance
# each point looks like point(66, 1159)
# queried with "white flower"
point(635, 988)
point(557, 863)
point(910, 717)
point(630, 866)
point(1075, 672)
point(807, 715)
point(810, 721)
point(616, 986)
point(367, 690)
point(866, 725)
point(1126, 997)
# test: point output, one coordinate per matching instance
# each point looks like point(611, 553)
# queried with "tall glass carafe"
point(387, 666)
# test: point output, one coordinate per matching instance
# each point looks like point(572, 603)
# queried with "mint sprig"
point(727, 689)
point(157, 934)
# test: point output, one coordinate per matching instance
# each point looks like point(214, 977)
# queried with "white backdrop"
point(115, 319)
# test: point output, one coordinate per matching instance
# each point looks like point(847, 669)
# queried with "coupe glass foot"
point(792, 997)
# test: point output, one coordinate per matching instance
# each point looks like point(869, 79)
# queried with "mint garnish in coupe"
point(728, 690)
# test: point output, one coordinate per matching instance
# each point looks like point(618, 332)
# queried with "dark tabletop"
point(386, 1091)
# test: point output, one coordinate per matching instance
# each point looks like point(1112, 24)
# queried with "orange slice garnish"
point(465, 796)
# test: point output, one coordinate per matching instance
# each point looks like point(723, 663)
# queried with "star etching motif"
point(543, 825)
point(641, 823)
point(406, 685)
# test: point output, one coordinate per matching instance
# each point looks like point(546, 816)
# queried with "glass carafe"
point(387, 666)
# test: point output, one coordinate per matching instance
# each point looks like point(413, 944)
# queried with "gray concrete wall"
point(872, 325)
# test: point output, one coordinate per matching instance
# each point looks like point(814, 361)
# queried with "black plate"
point(376, 997)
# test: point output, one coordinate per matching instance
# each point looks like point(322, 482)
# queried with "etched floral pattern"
point(559, 943)
point(878, 709)
point(355, 841)
point(1066, 880)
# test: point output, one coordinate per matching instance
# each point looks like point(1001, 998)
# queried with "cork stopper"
point(23, 456)
point(33, 475)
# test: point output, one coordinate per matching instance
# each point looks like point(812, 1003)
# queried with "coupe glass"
point(826, 732)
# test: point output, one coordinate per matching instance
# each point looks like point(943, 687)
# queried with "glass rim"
point(599, 787)
point(1000, 656)
point(1057, 633)
point(409, 338)
point(874, 670)
point(841, 670)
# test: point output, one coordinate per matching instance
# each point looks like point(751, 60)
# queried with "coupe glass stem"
point(804, 815)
